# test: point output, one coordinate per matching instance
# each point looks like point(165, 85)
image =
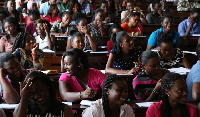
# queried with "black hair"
point(154, 3)
point(103, 2)
point(98, 10)
point(164, 38)
point(5, 57)
point(166, 16)
point(135, 14)
point(78, 15)
point(6, 1)
point(115, 26)
point(107, 84)
point(79, 57)
point(130, 1)
point(198, 51)
point(13, 21)
point(167, 82)
point(195, 10)
point(34, 12)
point(147, 55)
point(73, 4)
point(51, 8)
point(75, 35)
point(62, 14)
point(79, 19)
point(2, 12)
point(117, 40)
point(45, 22)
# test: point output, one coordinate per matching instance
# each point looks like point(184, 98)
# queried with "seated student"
point(90, 42)
point(113, 29)
point(44, 38)
point(62, 28)
point(193, 79)
point(64, 5)
point(174, 99)
point(131, 26)
point(169, 56)
point(128, 11)
point(11, 74)
point(52, 14)
point(44, 7)
point(114, 95)
point(124, 56)
point(85, 7)
point(2, 17)
point(75, 7)
point(79, 82)
point(38, 98)
point(31, 6)
point(12, 29)
point(187, 5)
point(109, 17)
point(147, 83)
point(167, 27)
point(34, 15)
point(155, 16)
point(27, 52)
point(191, 25)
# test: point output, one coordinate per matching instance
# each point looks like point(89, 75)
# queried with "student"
point(174, 98)
point(77, 41)
point(62, 28)
point(64, 5)
point(191, 25)
point(27, 52)
point(109, 16)
point(44, 7)
point(11, 74)
point(167, 27)
point(33, 15)
point(114, 95)
point(11, 11)
point(44, 39)
point(79, 82)
point(90, 42)
point(38, 98)
point(75, 7)
point(124, 56)
point(127, 12)
point(170, 57)
point(147, 83)
point(52, 14)
point(131, 26)
point(12, 28)
point(33, 7)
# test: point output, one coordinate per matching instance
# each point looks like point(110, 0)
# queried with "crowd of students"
point(22, 57)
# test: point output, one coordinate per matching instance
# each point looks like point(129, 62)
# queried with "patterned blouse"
point(185, 5)
point(93, 31)
point(174, 62)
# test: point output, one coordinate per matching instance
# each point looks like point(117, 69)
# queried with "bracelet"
point(79, 95)
point(155, 91)
point(33, 54)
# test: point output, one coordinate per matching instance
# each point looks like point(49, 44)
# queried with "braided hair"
point(167, 83)
point(20, 41)
point(107, 84)
point(13, 21)
point(5, 57)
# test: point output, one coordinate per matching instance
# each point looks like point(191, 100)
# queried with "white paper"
point(86, 102)
point(48, 51)
point(180, 70)
point(103, 52)
point(61, 36)
point(144, 104)
point(68, 103)
point(8, 106)
point(196, 35)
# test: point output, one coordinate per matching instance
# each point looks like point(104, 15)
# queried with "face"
point(167, 25)
point(117, 94)
point(99, 16)
point(70, 66)
point(157, 7)
point(29, 42)
point(55, 10)
point(134, 20)
point(10, 28)
point(40, 93)
point(82, 23)
point(12, 68)
point(152, 66)
point(33, 18)
point(75, 8)
point(104, 7)
point(178, 93)
point(127, 43)
point(195, 17)
point(40, 29)
point(66, 19)
point(166, 49)
point(78, 42)
point(115, 30)
point(11, 5)
point(52, 2)
point(129, 6)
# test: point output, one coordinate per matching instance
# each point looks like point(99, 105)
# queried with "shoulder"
point(64, 77)
point(192, 110)
point(96, 72)
point(154, 109)
point(128, 111)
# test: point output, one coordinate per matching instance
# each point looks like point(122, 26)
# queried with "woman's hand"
point(84, 29)
point(35, 47)
point(46, 28)
point(134, 70)
point(26, 91)
point(88, 93)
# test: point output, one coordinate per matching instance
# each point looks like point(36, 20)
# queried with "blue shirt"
point(193, 76)
point(45, 7)
point(154, 36)
point(182, 27)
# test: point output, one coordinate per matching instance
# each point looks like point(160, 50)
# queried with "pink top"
point(30, 28)
point(155, 110)
point(4, 42)
point(95, 81)
point(56, 19)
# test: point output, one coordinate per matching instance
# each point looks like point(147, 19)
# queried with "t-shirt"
point(56, 19)
point(126, 28)
point(95, 81)
point(43, 43)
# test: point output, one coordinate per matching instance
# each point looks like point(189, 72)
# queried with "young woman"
point(170, 57)
point(147, 83)
point(112, 104)
point(38, 98)
point(131, 26)
point(77, 41)
point(79, 82)
point(173, 104)
point(124, 56)
point(11, 74)
point(27, 52)
point(52, 14)
point(75, 7)
point(44, 39)
point(12, 29)
point(90, 43)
